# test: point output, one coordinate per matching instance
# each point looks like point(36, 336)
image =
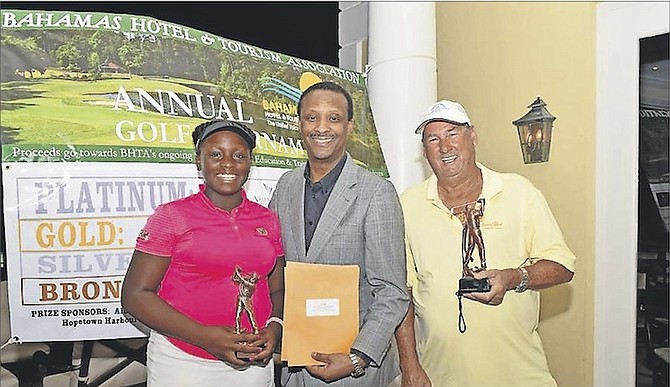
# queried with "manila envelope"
point(320, 311)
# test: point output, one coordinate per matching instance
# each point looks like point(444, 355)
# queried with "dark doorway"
point(653, 187)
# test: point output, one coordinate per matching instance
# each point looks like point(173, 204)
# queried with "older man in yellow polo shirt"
point(484, 339)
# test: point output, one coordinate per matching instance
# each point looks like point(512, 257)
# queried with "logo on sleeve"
point(261, 231)
point(143, 235)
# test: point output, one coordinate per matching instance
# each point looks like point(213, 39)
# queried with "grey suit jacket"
point(362, 225)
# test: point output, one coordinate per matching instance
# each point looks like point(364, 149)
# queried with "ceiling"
point(654, 73)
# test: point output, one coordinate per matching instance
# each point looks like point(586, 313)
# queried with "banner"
point(97, 114)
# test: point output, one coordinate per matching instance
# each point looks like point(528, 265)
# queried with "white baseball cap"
point(447, 111)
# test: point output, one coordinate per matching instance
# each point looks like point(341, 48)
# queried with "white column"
point(402, 82)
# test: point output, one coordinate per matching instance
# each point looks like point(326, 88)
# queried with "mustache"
point(317, 136)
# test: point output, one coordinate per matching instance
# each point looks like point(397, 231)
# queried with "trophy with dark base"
point(471, 239)
point(247, 286)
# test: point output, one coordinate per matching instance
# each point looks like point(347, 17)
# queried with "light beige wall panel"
point(496, 58)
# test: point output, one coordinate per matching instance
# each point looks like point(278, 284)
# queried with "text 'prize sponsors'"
point(83, 316)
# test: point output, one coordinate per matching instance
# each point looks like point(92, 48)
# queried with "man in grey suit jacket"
point(335, 212)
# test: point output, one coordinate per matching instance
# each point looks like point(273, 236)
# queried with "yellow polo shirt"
point(501, 346)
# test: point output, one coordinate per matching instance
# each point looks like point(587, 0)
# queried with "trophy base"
point(472, 285)
point(243, 355)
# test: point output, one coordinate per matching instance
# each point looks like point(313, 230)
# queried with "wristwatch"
point(358, 368)
point(523, 285)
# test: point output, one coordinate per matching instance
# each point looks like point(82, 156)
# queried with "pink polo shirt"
point(205, 243)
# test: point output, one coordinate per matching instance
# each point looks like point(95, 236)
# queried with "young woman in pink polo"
point(197, 260)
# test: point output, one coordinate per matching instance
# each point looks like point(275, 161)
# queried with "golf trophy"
point(247, 286)
point(471, 239)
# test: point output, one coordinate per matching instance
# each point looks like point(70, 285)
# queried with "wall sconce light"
point(535, 132)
